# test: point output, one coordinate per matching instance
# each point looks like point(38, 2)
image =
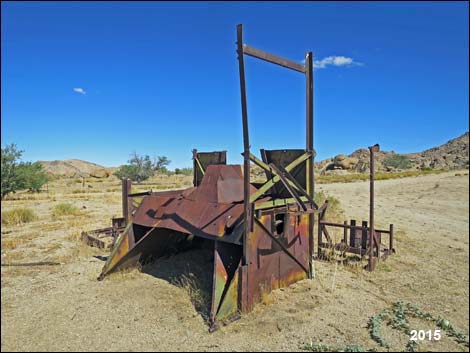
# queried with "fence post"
point(364, 237)
point(352, 234)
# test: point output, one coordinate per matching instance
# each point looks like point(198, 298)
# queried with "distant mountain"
point(76, 168)
point(452, 155)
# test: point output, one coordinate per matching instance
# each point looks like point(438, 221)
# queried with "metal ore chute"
point(261, 234)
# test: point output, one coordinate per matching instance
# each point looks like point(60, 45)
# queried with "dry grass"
point(200, 298)
point(348, 178)
point(335, 306)
point(13, 241)
point(334, 211)
point(18, 216)
point(64, 209)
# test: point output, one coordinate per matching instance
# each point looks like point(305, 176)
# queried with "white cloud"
point(335, 61)
point(80, 90)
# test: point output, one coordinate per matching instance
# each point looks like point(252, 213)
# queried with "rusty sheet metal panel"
point(283, 158)
point(122, 246)
point(155, 243)
point(269, 267)
point(297, 243)
point(227, 260)
point(207, 220)
point(205, 159)
point(209, 211)
point(221, 184)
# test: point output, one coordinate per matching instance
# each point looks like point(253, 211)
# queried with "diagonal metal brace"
point(280, 244)
point(199, 165)
point(288, 187)
point(299, 187)
point(269, 184)
point(270, 170)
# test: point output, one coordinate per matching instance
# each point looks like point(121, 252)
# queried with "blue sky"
point(97, 81)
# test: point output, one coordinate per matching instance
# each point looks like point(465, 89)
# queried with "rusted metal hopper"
point(260, 234)
point(212, 215)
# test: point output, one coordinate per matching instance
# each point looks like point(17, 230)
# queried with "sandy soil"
point(64, 307)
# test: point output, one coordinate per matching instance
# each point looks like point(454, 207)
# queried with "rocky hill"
point(452, 155)
point(75, 168)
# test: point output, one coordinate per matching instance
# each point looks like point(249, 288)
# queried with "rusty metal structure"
point(360, 238)
point(261, 235)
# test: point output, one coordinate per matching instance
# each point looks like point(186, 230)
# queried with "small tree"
point(9, 162)
point(19, 175)
point(139, 168)
point(397, 161)
point(160, 164)
point(32, 175)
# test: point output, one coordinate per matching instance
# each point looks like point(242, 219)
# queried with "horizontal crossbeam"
point(260, 54)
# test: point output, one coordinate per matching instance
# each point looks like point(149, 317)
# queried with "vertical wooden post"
point(391, 239)
point(319, 240)
point(371, 265)
point(246, 145)
point(364, 235)
point(195, 167)
point(309, 147)
point(126, 190)
point(352, 234)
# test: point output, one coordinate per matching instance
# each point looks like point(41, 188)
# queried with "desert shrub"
point(140, 168)
point(184, 171)
point(64, 209)
point(334, 212)
point(397, 161)
point(160, 164)
point(18, 216)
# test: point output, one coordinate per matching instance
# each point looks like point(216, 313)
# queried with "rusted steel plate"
point(221, 184)
point(120, 249)
point(227, 261)
point(207, 220)
point(283, 158)
point(205, 159)
point(207, 211)
point(93, 239)
point(269, 267)
point(220, 279)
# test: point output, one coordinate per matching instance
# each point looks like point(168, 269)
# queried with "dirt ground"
point(64, 307)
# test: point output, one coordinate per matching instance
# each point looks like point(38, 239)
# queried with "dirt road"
point(64, 307)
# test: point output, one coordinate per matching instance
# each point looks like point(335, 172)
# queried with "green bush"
point(18, 216)
point(334, 211)
point(32, 175)
point(17, 175)
point(64, 209)
point(397, 161)
point(139, 169)
point(184, 171)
